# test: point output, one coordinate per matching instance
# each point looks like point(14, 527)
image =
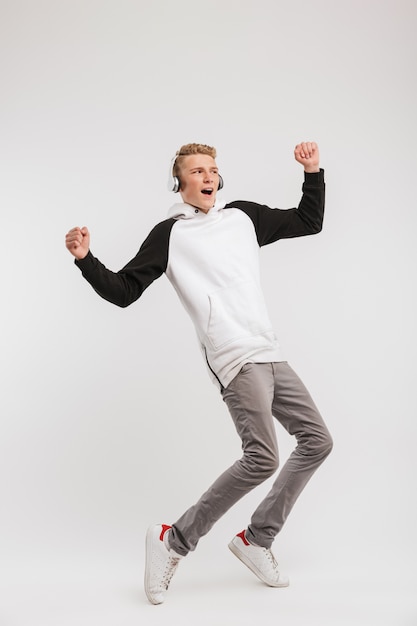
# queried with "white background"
point(109, 422)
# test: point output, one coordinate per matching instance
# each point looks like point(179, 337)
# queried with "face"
point(199, 181)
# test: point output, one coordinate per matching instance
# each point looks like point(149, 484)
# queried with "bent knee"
point(318, 445)
point(324, 446)
point(262, 464)
point(269, 466)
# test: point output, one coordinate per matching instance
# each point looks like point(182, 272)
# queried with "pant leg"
point(249, 399)
point(293, 407)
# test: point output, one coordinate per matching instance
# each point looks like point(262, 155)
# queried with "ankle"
point(166, 540)
point(249, 540)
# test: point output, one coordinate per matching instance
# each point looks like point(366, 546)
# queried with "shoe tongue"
point(165, 539)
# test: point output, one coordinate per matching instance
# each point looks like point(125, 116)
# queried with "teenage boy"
point(209, 250)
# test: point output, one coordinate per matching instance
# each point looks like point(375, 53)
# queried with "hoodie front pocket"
point(236, 312)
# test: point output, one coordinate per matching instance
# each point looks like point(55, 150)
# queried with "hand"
point(77, 241)
point(307, 153)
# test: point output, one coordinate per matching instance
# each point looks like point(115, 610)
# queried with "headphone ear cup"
point(221, 183)
point(176, 184)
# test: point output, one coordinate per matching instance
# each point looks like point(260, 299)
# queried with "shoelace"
point(170, 568)
point(271, 558)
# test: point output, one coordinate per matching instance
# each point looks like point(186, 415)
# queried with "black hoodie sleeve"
point(127, 285)
point(273, 224)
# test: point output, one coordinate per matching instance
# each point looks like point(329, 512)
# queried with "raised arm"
point(127, 285)
point(307, 218)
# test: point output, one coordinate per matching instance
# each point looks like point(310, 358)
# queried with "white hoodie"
point(214, 267)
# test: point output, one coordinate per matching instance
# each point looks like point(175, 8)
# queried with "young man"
point(210, 252)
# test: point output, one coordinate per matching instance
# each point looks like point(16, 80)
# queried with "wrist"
point(80, 253)
point(82, 256)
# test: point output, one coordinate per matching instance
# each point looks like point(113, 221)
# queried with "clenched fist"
point(307, 153)
point(77, 241)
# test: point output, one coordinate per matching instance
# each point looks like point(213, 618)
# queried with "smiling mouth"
point(207, 192)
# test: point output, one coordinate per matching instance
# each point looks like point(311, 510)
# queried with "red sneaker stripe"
point(243, 538)
point(163, 531)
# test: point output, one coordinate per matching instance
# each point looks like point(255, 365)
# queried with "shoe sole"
point(242, 557)
point(148, 560)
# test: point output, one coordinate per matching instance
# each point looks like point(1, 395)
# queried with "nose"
point(208, 177)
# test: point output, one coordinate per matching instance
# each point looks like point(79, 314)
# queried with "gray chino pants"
point(258, 393)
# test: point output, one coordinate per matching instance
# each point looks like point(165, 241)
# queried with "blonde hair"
point(191, 148)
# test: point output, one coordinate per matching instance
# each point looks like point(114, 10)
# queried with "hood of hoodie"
point(183, 211)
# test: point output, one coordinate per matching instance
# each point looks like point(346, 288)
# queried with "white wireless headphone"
point(174, 182)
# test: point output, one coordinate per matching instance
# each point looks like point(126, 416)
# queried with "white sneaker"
point(161, 563)
point(260, 560)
